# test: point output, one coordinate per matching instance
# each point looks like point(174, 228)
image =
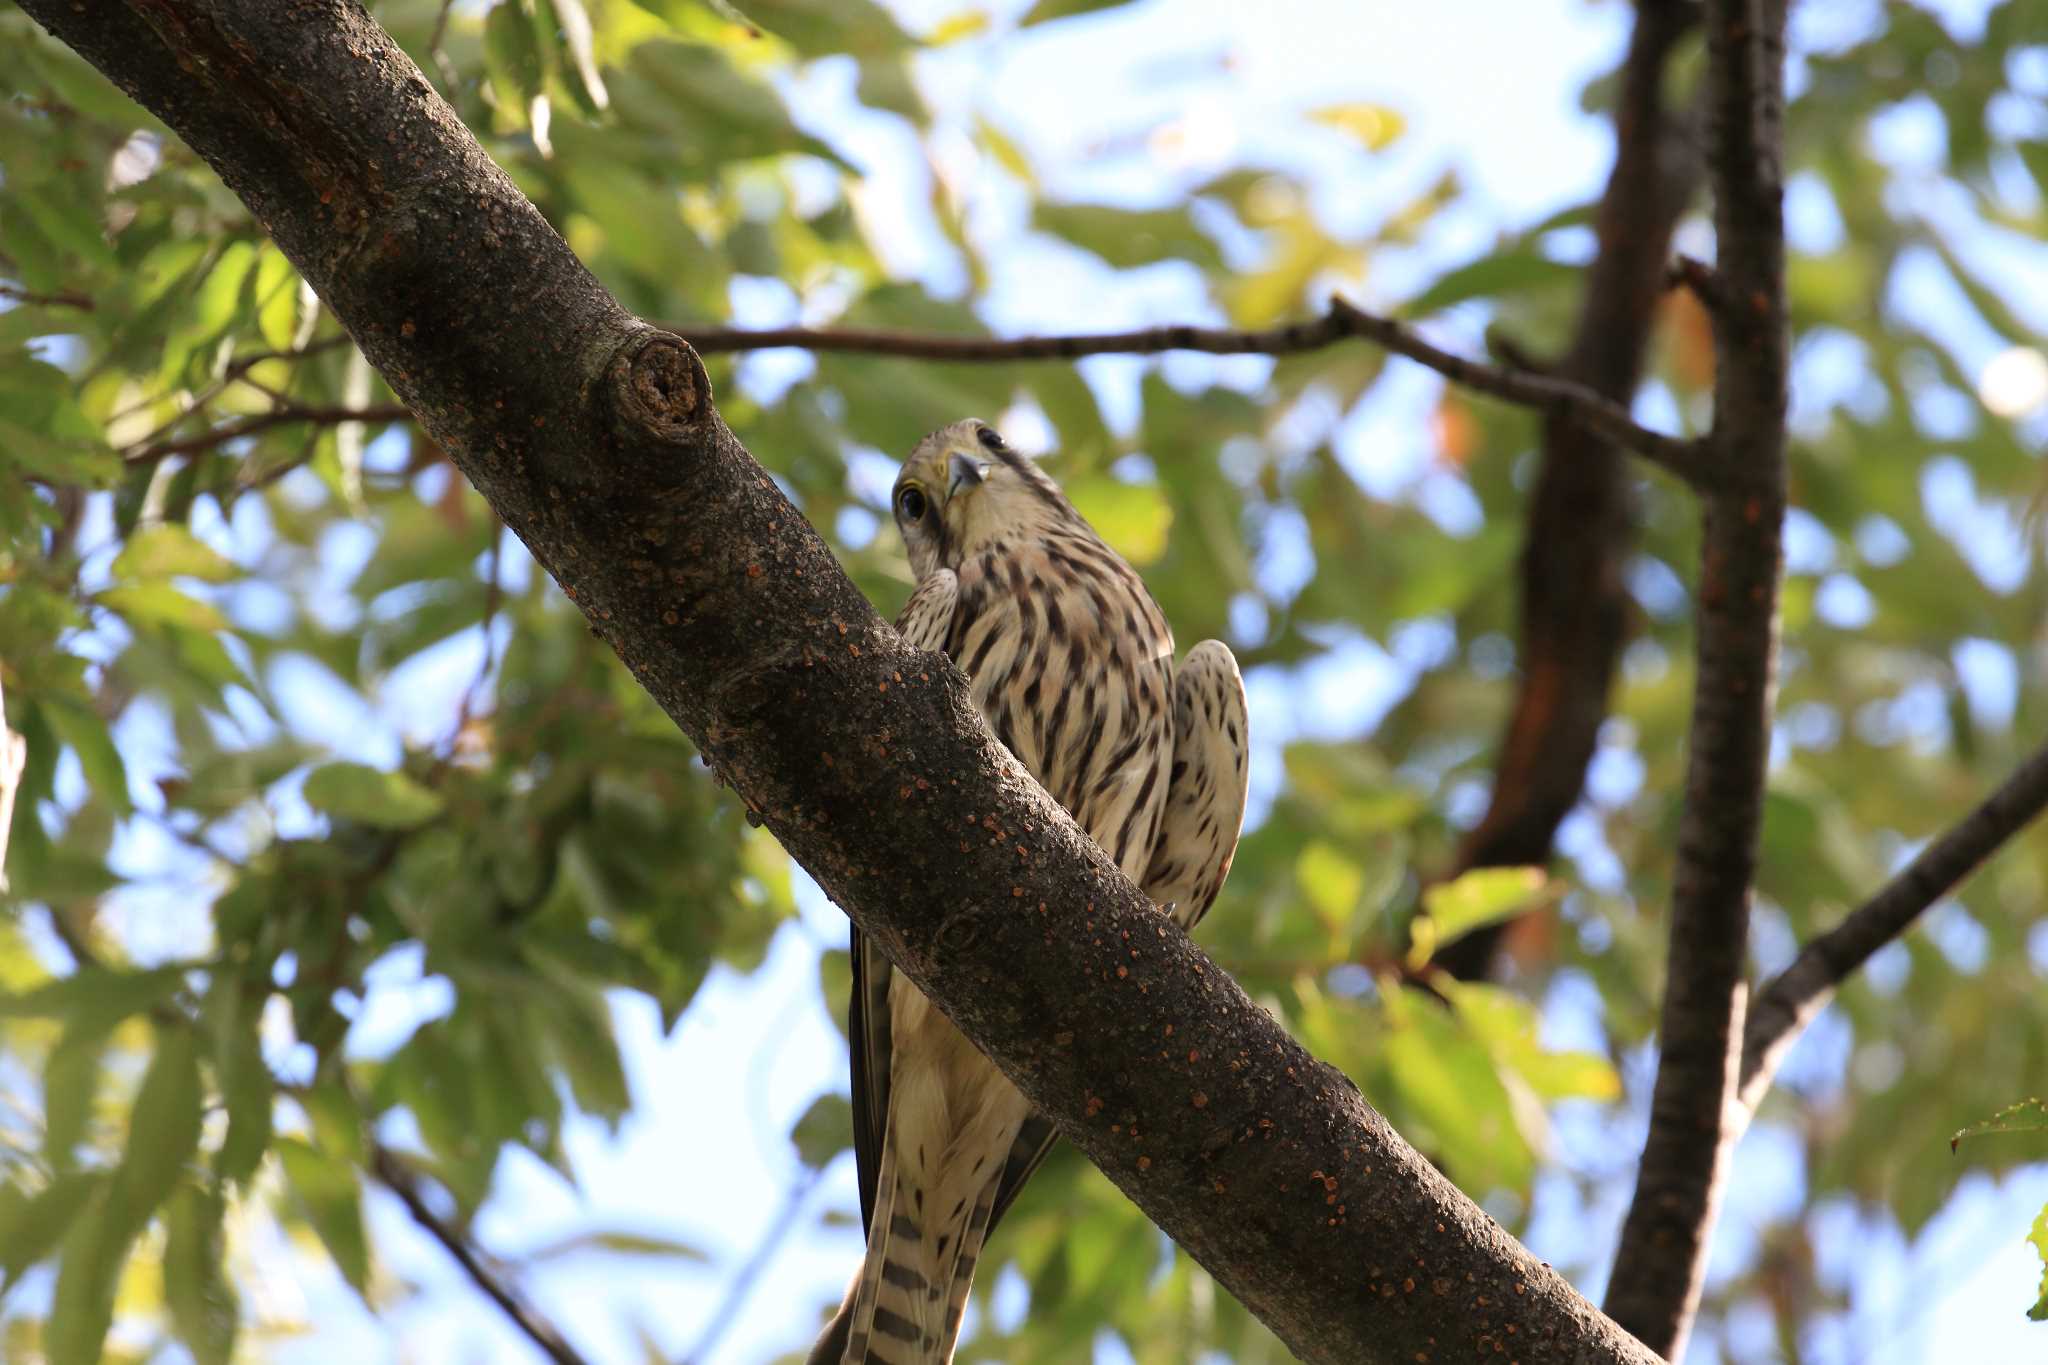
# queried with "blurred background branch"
point(494, 1282)
point(1574, 614)
point(1789, 1001)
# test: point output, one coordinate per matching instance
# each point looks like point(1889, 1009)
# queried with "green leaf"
point(160, 604)
point(95, 1247)
point(355, 792)
point(277, 298)
point(1508, 273)
point(1481, 896)
point(1135, 518)
point(246, 1088)
point(820, 28)
point(617, 1243)
point(66, 218)
point(57, 461)
point(71, 1082)
point(1330, 881)
point(512, 55)
point(81, 728)
point(31, 1226)
point(1046, 11)
point(1507, 1026)
point(331, 1198)
point(2037, 1237)
point(212, 309)
point(1126, 238)
point(579, 38)
point(1450, 1085)
point(96, 998)
point(168, 550)
point(824, 1131)
point(163, 1130)
point(885, 83)
point(719, 114)
point(1570, 1075)
point(203, 1303)
point(2028, 1116)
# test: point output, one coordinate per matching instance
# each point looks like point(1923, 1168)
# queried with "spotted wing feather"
point(1197, 836)
point(1205, 795)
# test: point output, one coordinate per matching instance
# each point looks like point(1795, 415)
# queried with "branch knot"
point(661, 386)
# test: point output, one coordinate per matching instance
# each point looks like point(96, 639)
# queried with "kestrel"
point(1072, 666)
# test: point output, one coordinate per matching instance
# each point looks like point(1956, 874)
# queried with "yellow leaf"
point(1373, 125)
point(1133, 517)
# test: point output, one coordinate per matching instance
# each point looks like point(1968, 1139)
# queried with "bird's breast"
point(1071, 663)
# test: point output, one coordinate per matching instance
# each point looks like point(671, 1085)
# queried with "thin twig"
point(62, 299)
point(1559, 397)
point(1791, 999)
point(403, 1182)
point(745, 1280)
point(1660, 1265)
point(228, 376)
point(263, 421)
point(449, 76)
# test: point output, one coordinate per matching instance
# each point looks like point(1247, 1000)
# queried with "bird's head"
point(963, 489)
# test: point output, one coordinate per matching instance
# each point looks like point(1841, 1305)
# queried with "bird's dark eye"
point(910, 503)
point(990, 438)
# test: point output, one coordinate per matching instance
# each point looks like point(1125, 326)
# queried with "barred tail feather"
point(886, 1324)
point(905, 1307)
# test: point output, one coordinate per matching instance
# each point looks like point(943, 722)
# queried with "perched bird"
point(1072, 665)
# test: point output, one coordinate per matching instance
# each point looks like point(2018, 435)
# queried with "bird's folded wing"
point(1205, 795)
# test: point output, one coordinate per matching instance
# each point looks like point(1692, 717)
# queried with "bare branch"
point(402, 1181)
point(63, 299)
point(1789, 1002)
point(450, 78)
point(1699, 278)
point(1661, 1262)
point(595, 438)
point(1561, 398)
point(264, 421)
point(1580, 523)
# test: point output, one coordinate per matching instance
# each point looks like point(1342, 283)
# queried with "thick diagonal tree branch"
point(1574, 608)
point(594, 437)
point(1694, 1118)
point(1791, 999)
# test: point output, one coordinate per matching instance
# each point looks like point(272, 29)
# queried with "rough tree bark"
point(595, 438)
point(1694, 1112)
point(1580, 527)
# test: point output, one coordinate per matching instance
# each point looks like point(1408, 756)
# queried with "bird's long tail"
point(905, 1307)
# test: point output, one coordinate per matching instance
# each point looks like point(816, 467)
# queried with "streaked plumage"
point(1072, 665)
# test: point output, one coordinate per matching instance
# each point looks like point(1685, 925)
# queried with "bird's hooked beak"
point(962, 472)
